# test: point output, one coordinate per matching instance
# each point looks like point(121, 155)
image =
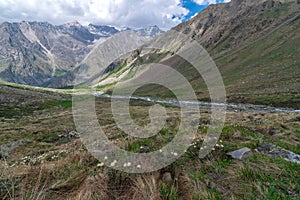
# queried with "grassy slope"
point(59, 168)
point(266, 71)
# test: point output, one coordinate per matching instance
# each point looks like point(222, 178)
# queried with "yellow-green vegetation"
point(56, 165)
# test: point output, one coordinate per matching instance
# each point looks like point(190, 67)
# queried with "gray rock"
point(6, 149)
point(295, 119)
point(144, 149)
point(275, 151)
point(167, 178)
point(74, 134)
point(70, 135)
point(170, 119)
point(238, 154)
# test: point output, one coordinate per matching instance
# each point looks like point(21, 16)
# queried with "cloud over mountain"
point(133, 13)
point(130, 13)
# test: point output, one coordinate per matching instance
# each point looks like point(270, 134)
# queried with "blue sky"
point(123, 13)
point(195, 8)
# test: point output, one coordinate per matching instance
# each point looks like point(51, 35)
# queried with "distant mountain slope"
point(102, 30)
point(255, 45)
point(95, 63)
point(152, 31)
point(35, 53)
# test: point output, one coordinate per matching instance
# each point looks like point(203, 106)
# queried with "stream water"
point(208, 105)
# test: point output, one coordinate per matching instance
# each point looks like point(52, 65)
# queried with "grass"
point(61, 168)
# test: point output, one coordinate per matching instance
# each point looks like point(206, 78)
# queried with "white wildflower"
point(100, 164)
point(112, 164)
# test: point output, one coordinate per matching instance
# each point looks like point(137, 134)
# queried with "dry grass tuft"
point(94, 187)
point(144, 187)
point(186, 188)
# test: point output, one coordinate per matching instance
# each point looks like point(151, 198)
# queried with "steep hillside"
point(255, 45)
point(223, 27)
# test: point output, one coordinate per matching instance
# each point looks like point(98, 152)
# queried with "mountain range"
point(34, 53)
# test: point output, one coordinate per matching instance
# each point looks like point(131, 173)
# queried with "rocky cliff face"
point(34, 52)
point(105, 31)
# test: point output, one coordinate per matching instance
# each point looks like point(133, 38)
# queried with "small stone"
point(295, 119)
point(74, 134)
point(167, 178)
point(238, 154)
point(144, 149)
point(170, 119)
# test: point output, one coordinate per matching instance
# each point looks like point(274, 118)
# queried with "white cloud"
point(132, 13)
point(207, 2)
point(204, 2)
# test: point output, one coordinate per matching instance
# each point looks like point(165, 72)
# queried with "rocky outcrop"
point(275, 151)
